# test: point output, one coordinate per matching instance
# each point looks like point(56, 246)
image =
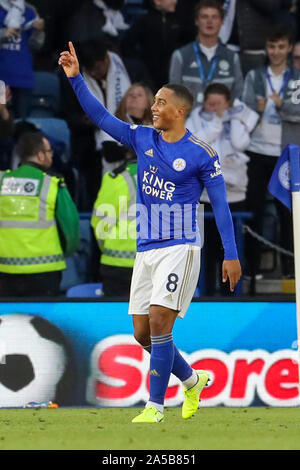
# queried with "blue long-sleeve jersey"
point(170, 180)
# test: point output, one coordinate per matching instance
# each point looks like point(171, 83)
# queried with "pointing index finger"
point(72, 49)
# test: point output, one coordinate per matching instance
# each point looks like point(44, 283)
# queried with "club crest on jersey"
point(179, 164)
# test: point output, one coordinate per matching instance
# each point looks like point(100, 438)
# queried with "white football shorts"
point(164, 276)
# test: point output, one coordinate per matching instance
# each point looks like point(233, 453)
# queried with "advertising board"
point(84, 354)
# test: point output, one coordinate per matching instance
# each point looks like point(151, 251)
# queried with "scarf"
point(114, 19)
point(225, 31)
point(15, 10)
point(117, 83)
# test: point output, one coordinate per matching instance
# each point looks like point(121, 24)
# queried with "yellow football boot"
point(192, 395)
point(149, 415)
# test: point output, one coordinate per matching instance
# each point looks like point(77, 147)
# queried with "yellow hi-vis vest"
point(29, 238)
point(114, 218)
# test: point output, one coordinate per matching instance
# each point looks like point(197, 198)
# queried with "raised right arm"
point(119, 130)
point(95, 110)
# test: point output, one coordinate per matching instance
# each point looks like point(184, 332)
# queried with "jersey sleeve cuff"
point(75, 79)
point(231, 253)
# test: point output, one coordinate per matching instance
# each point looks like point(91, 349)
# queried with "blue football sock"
point(181, 368)
point(161, 363)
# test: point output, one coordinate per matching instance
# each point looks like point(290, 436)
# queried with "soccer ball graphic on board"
point(35, 361)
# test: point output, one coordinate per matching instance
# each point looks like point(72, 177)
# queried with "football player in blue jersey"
point(173, 168)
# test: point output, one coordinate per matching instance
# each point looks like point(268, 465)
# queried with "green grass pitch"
point(111, 429)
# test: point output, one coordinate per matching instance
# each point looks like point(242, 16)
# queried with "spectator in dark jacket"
point(152, 39)
point(95, 20)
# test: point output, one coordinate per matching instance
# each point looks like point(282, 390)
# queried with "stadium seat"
point(44, 100)
point(85, 290)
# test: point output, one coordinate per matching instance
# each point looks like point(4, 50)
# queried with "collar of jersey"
point(186, 136)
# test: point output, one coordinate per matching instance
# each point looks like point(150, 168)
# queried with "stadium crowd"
point(237, 57)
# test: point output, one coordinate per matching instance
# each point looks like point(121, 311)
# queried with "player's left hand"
point(231, 270)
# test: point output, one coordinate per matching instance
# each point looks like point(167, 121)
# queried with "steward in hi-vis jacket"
point(114, 225)
point(39, 223)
